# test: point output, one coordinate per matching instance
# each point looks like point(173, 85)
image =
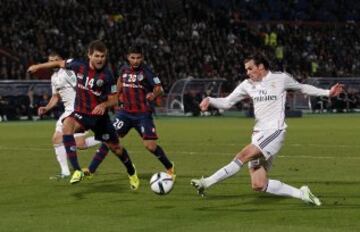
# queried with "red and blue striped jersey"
point(92, 87)
point(135, 84)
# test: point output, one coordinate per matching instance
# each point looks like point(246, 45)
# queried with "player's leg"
point(122, 125)
point(99, 156)
point(112, 142)
point(248, 152)
point(83, 142)
point(159, 153)
point(124, 157)
point(69, 128)
point(60, 153)
point(106, 132)
point(270, 143)
point(146, 128)
point(258, 170)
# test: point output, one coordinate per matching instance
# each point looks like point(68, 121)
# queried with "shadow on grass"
point(251, 203)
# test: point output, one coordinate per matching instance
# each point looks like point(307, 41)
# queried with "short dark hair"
point(54, 53)
point(97, 45)
point(258, 59)
point(135, 48)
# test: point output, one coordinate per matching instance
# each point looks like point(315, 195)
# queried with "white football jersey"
point(268, 96)
point(63, 82)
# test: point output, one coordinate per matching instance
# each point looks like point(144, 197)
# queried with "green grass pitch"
point(320, 151)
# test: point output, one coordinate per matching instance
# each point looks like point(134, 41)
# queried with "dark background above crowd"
point(203, 39)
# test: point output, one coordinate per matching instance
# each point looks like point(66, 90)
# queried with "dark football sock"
point(160, 154)
point(70, 147)
point(125, 159)
point(99, 156)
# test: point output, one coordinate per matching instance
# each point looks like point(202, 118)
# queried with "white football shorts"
point(270, 143)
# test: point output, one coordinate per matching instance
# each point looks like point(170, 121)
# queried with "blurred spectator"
point(187, 37)
point(192, 100)
point(42, 100)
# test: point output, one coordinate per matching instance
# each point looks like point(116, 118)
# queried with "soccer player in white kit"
point(63, 83)
point(268, 92)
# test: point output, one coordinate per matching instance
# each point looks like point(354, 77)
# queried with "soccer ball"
point(161, 183)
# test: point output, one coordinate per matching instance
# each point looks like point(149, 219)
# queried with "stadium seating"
point(200, 39)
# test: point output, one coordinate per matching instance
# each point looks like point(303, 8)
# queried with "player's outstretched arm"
point(204, 104)
point(53, 101)
point(225, 103)
point(336, 89)
point(47, 65)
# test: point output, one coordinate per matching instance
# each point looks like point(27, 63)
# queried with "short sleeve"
point(110, 87)
point(152, 78)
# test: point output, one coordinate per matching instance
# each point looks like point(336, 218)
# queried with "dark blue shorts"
point(142, 122)
point(101, 126)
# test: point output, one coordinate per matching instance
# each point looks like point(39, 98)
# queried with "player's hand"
point(204, 105)
point(42, 110)
point(99, 109)
point(32, 69)
point(150, 96)
point(336, 89)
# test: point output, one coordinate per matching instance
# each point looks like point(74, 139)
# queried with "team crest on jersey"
point(273, 85)
point(99, 83)
point(140, 77)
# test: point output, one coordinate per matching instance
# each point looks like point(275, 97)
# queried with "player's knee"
point(150, 146)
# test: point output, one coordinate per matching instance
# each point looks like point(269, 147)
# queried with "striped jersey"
point(93, 86)
point(135, 84)
point(63, 82)
point(268, 96)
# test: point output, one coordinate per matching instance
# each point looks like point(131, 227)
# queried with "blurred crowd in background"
point(185, 38)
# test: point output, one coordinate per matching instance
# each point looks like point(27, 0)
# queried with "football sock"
point(225, 172)
point(99, 156)
point(125, 159)
point(90, 142)
point(70, 147)
point(160, 154)
point(281, 189)
point(62, 159)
